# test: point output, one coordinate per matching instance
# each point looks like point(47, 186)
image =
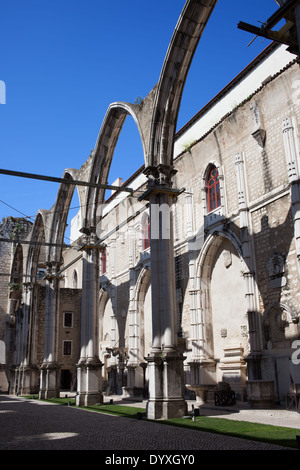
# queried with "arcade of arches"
point(188, 280)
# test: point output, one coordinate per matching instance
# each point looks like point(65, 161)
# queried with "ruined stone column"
point(89, 375)
point(49, 387)
point(28, 372)
point(165, 362)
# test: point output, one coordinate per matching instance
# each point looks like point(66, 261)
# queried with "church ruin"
point(187, 276)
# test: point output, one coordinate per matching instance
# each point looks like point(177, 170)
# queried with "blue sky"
point(64, 61)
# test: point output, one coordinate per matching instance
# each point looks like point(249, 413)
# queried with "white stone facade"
point(223, 259)
point(223, 288)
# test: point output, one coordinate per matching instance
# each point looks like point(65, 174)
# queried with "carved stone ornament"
point(275, 266)
point(227, 259)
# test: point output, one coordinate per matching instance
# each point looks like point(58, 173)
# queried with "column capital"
point(160, 181)
point(52, 271)
point(28, 286)
point(160, 174)
point(89, 240)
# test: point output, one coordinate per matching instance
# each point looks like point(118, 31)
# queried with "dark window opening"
point(68, 319)
point(67, 348)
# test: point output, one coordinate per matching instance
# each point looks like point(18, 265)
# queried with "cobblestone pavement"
point(34, 425)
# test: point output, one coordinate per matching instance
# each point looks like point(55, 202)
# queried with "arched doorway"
point(108, 345)
point(224, 339)
point(66, 379)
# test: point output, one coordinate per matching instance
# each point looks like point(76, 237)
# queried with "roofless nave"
point(150, 308)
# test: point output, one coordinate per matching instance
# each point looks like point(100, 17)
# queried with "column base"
point(89, 381)
point(88, 399)
point(166, 386)
point(29, 380)
point(49, 381)
point(166, 408)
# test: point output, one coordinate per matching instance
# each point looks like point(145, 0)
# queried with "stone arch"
point(17, 279)
point(161, 107)
point(139, 328)
point(156, 120)
point(17, 268)
point(108, 337)
point(58, 215)
point(182, 47)
point(103, 154)
point(280, 326)
point(142, 289)
point(280, 331)
point(36, 251)
point(105, 296)
point(212, 242)
point(221, 251)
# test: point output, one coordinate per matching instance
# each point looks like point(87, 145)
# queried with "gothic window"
point(68, 319)
point(146, 232)
point(103, 261)
point(75, 279)
point(67, 348)
point(213, 189)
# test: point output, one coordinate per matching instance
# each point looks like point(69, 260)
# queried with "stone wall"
point(70, 302)
point(12, 230)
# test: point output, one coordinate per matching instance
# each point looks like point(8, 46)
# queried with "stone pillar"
point(89, 374)
point(254, 357)
point(29, 381)
point(49, 387)
point(22, 344)
point(22, 319)
point(165, 362)
point(292, 163)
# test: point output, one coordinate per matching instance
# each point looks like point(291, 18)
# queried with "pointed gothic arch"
point(60, 211)
point(102, 156)
point(181, 50)
point(36, 248)
point(219, 317)
point(142, 322)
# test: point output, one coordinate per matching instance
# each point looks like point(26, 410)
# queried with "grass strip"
point(276, 435)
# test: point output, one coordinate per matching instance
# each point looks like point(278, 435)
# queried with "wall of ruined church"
point(267, 187)
point(266, 174)
point(70, 301)
point(6, 253)
point(273, 235)
point(11, 228)
point(39, 318)
point(68, 275)
point(269, 204)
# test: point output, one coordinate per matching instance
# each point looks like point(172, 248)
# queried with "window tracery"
point(213, 189)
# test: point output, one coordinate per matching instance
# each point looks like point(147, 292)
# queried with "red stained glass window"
point(213, 189)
